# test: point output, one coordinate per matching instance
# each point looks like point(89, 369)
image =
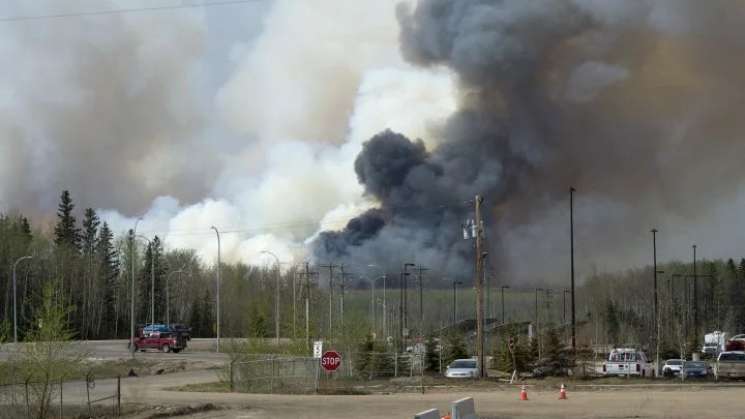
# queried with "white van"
point(628, 361)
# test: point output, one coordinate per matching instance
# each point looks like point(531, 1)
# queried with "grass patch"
point(214, 387)
point(183, 411)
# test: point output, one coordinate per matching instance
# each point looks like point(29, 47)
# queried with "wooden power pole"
point(478, 281)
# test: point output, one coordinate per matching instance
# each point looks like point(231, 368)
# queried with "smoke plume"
point(632, 103)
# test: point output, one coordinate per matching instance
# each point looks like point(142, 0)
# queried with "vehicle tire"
point(166, 349)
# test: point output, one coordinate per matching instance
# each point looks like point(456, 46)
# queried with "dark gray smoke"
point(636, 104)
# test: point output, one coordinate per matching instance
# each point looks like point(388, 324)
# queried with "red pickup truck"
point(165, 341)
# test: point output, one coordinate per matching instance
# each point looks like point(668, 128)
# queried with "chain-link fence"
point(357, 372)
point(60, 398)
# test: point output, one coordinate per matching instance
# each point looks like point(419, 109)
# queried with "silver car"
point(462, 368)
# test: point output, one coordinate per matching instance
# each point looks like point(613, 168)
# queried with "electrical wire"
point(121, 11)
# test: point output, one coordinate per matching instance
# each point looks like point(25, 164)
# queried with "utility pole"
point(571, 246)
point(421, 269)
point(695, 295)
point(307, 275)
point(331, 268)
point(479, 288)
point(538, 322)
point(217, 291)
point(656, 304)
point(402, 306)
point(344, 276)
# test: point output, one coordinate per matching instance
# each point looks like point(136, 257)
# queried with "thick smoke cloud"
point(104, 106)
point(630, 102)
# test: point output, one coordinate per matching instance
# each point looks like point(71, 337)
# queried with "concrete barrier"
point(464, 409)
point(428, 414)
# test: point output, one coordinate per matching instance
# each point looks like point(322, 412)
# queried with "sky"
point(249, 116)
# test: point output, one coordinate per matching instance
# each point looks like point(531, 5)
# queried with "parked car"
point(462, 368)
point(160, 337)
point(627, 361)
point(695, 369)
point(735, 343)
point(183, 329)
point(672, 367)
point(730, 364)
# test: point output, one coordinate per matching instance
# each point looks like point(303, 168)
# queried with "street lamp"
point(276, 300)
point(571, 252)
point(503, 287)
point(217, 292)
point(152, 277)
point(537, 322)
point(15, 313)
point(132, 299)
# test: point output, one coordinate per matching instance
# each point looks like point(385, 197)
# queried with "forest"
point(91, 271)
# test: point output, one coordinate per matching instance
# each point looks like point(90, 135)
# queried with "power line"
point(121, 11)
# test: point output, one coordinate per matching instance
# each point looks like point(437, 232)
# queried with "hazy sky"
point(250, 116)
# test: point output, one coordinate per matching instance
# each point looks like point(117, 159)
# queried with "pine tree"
point(148, 281)
point(612, 323)
point(108, 263)
point(87, 296)
point(66, 232)
point(456, 348)
point(431, 356)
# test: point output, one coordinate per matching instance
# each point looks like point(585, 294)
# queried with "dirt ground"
point(613, 402)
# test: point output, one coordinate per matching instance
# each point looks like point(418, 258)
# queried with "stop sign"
point(330, 360)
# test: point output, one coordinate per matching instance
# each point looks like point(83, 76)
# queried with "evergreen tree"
point(195, 320)
point(431, 356)
point(66, 232)
point(149, 281)
point(737, 296)
point(208, 317)
point(456, 348)
point(613, 325)
point(258, 324)
point(107, 259)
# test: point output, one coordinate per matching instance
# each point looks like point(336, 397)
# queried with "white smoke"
point(317, 83)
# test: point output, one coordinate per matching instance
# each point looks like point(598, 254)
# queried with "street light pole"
point(695, 295)
point(537, 322)
point(656, 304)
point(132, 297)
point(571, 246)
point(15, 313)
point(152, 277)
point(276, 297)
point(217, 291)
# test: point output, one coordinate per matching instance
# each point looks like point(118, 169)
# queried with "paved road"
point(198, 349)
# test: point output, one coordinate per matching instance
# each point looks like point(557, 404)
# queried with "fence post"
point(118, 395)
point(318, 373)
point(61, 411)
point(28, 403)
point(271, 379)
point(395, 364)
point(232, 385)
point(421, 375)
point(88, 392)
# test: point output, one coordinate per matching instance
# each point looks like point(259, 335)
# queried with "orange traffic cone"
point(523, 394)
point(446, 416)
point(562, 393)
